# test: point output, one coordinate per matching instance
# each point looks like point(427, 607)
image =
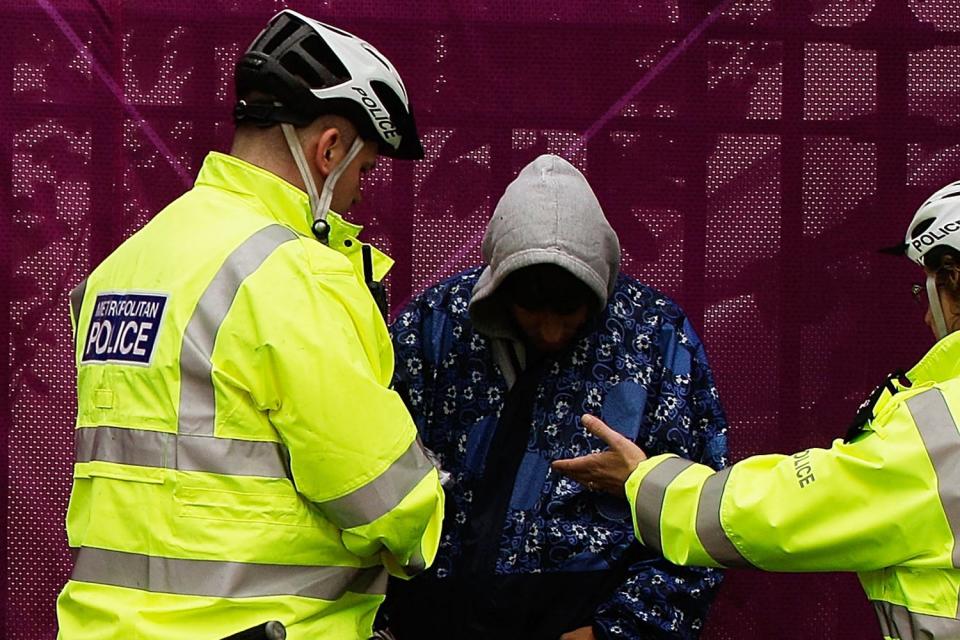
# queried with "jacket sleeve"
point(325, 364)
point(658, 599)
point(853, 507)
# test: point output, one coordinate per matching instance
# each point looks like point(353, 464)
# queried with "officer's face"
point(546, 330)
point(951, 317)
point(347, 190)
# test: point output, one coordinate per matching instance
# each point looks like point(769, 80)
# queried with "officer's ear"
point(953, 278)
point(330, 150)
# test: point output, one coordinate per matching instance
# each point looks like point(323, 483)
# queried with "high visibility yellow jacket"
point(886, 505)
point(240, 456)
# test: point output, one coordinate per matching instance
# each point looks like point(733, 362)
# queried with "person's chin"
point(550, 348)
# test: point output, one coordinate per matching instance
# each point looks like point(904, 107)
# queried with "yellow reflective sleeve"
point(321, 374)
point(421, 514)
point(632, 487)
point(857, 506)
point(668, 480)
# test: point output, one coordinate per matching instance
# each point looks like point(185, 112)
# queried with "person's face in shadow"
point(547, 330)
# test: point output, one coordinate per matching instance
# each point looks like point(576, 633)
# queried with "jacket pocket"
point(115, 471)
point(239, 506)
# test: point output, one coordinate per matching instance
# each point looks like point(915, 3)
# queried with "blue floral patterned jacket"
point(641, 367)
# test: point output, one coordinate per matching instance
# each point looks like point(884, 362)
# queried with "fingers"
point(599, 428)
point(575, 467)
point(617, 462)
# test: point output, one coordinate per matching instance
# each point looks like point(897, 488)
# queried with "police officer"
point(240, 457)
point(884, 502)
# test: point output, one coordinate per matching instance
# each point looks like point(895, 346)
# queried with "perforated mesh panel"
point(747, 74)
point(751, 159)
point(840, 82)
point(933, 86)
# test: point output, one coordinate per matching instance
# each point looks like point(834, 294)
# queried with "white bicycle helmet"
point(312, 68)
point(935, 225)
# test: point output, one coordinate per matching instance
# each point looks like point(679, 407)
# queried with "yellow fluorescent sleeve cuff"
point(676, 517)
point(632, 486)
point(406, 537)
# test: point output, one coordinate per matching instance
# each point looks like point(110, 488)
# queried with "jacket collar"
point(289, 206)
point(941, 363)
point(282, 201)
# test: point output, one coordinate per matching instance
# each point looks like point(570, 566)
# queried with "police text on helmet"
point(378, 114)
point(928, 238)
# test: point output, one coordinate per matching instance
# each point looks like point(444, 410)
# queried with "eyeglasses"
point(919, 292)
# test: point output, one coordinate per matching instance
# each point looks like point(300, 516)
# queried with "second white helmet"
point(936, 224)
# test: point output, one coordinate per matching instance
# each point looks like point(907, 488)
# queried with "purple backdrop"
point(752, 155)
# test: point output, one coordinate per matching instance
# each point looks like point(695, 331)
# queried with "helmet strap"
point(297, 151)
point(933, 297)
point(326, 193)
point(319, 202)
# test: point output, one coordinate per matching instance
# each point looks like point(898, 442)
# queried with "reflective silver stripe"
point(650, 497)
point(233, 457)
point(942, 441)
point(126, 446)
point(897, 621)
point(76, 301)
point(196, 453)
point(196, 387)
point(187, 453)
point(383, 493)
point(221, 579)
point(709, 528)
point(371, 581)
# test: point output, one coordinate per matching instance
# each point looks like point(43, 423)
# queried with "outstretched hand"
point(607, 470)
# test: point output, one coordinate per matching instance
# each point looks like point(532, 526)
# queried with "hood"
point(547, 215)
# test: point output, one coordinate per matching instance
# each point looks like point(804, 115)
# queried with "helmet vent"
point(389, 100)
point(296, 65)
point(951, 195)
point(324, 56)
point(921, 227)
point(280, 37)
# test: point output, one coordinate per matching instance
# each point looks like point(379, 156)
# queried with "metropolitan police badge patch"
point(124, 327)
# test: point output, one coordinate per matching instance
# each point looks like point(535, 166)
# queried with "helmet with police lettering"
point(307, 69)
point(936, 224)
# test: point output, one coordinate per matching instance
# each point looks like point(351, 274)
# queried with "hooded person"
point(496, 365)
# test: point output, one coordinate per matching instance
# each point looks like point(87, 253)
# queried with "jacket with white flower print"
point(640, 366)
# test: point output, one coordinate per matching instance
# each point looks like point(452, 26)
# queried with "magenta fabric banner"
point(752, 155)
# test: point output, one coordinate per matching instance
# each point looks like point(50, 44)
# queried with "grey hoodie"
point(548, 214)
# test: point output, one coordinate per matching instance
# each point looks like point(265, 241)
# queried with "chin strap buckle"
point(321, 229)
